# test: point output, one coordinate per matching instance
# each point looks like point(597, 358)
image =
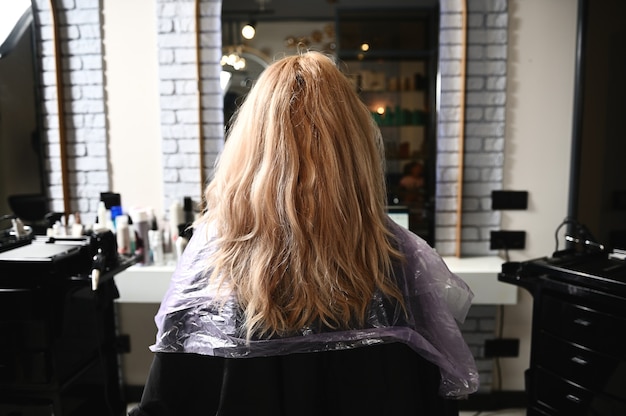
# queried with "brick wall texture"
point(191, 100)
point(81, 68)
point(485, 100)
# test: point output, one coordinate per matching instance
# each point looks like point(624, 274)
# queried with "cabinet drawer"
point(19, 335)
point(565, 398)
point(589, 369)
point(537, 411)
point(27, 408)
point(25, 368)
point(583, 325)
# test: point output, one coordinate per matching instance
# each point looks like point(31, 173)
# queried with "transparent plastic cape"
point(192, 320)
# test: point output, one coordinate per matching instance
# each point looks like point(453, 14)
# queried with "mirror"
point(21, 155)
point(396, 77)
point(241, 66)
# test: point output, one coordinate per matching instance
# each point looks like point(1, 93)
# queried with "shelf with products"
point(396, 92)
point(397, 95)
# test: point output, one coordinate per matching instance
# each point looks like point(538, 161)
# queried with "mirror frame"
point(60, 91)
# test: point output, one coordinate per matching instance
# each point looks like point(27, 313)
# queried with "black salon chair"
point(388, 379)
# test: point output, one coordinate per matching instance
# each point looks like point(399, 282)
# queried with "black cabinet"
point(578, 347)
point(58, 336)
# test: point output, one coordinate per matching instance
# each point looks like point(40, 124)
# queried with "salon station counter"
point(142, 288)
point(148, 284)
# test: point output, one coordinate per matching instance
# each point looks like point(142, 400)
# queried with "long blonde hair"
point(298, 202)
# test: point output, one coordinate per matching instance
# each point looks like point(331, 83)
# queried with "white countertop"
point(148, 284)
point(481, 275)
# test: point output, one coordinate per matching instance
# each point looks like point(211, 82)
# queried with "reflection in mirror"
point(241, 66)
point(21, 161)
point(396, 78)
point(390, 56)
point(275, 35)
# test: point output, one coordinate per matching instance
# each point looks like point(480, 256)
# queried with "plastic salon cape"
point(190, 320)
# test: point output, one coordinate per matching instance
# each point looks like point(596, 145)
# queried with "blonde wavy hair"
point(298, 202)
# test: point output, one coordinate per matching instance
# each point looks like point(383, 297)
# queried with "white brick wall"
point(479, 326)
point(485, 84)
point(180, 104)
point(85, 121)
point(487, 24)
point(81, 64)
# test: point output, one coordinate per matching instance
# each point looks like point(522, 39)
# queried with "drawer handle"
point(579, 360)
point(573, 398)
point(582, 322)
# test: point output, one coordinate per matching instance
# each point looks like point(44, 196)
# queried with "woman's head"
point(413, 169)
point(301, 124)
point(298, 199)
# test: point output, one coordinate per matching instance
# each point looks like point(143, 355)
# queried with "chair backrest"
point(389, 379)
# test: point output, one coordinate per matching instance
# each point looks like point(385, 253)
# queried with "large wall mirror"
point(396, 77)
point(21, 156)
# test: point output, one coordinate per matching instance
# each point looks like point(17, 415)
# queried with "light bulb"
point(248, 31)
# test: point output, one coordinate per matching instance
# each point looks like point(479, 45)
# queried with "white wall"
point(132, 88)
point(541, 63)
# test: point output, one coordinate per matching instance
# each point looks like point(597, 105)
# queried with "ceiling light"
point(248, 31)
